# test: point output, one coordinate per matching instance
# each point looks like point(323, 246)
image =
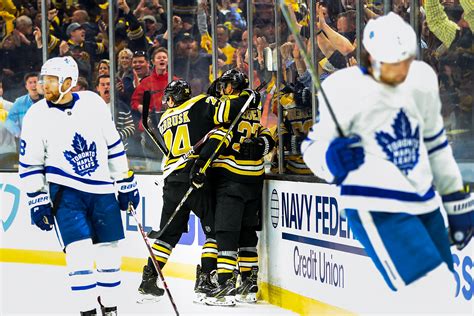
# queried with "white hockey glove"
point(460, 209)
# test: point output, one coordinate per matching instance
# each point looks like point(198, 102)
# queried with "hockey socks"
point(209, 256)
point(226, 263)
point(248, 258)
point(149, 289)
point(162, 252)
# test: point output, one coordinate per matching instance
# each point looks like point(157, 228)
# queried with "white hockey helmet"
point(389, 39)
point(63, 68)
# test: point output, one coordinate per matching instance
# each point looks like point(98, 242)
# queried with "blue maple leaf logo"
point(84, 158)
point(403, 147)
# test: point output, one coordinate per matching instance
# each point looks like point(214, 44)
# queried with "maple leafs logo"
point(403, 148)
point(83, 159)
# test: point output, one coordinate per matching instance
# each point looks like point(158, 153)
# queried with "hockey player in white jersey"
point(393, 157)
point(71, 161)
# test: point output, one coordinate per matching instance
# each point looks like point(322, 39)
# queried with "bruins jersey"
point(296, 124)
point(230, 163)
point(183, 126)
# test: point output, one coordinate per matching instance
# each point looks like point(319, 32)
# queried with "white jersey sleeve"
point(314, 147)
point(446, 175)
point(32, 153)
point(401, 130)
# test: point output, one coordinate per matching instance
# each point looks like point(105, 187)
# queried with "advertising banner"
point(310, 250)
point(17, 232)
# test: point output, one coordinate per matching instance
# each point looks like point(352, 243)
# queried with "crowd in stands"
point(79, 28)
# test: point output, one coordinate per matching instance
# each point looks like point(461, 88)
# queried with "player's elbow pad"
point(446, 174)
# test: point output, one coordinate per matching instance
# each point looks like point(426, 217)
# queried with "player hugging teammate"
point(238, 151)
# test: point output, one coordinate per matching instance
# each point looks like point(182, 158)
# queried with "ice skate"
point(149, 291)
point(204, 285)
point(247, 291)
point(92, 312)
point(223, 294)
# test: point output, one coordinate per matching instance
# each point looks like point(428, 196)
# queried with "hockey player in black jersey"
point(237, 179)
point(182, 125)
point(295, 100)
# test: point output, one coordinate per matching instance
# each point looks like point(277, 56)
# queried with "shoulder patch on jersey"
point(403, 149)
point(84, 158)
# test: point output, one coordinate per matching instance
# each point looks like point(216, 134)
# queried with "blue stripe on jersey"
point(60, 172)
point(24, 165)
point(432, 138)
point(108, 284)
point(26, 174)
point(114, 144)
point(356, 190)
point(116, 155)
point(83, 288)
point(81, 272)
point(108, 270)
point(440, 146)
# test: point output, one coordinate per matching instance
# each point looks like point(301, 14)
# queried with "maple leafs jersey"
point(405, 145)
point(75, 145)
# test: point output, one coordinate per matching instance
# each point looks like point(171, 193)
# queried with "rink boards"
point(310, 261)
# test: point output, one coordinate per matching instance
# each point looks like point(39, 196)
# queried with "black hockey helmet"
point(238, 79)
point(179, 90)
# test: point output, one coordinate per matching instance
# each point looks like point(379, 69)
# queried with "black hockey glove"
point(295, 144)
point(196, 177)
point(303, 98)
point(252, 148)
point(256, 98)
point(213, 89)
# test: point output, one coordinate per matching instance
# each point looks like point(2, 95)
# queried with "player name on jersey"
point(253, 115)
point(174, 120)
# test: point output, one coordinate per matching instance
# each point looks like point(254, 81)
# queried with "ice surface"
point(31, 289)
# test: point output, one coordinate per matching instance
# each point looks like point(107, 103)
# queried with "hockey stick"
point(132, 212)
point(317, 84)
point(184, 157)
point(157, 234)
point(145, 113)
